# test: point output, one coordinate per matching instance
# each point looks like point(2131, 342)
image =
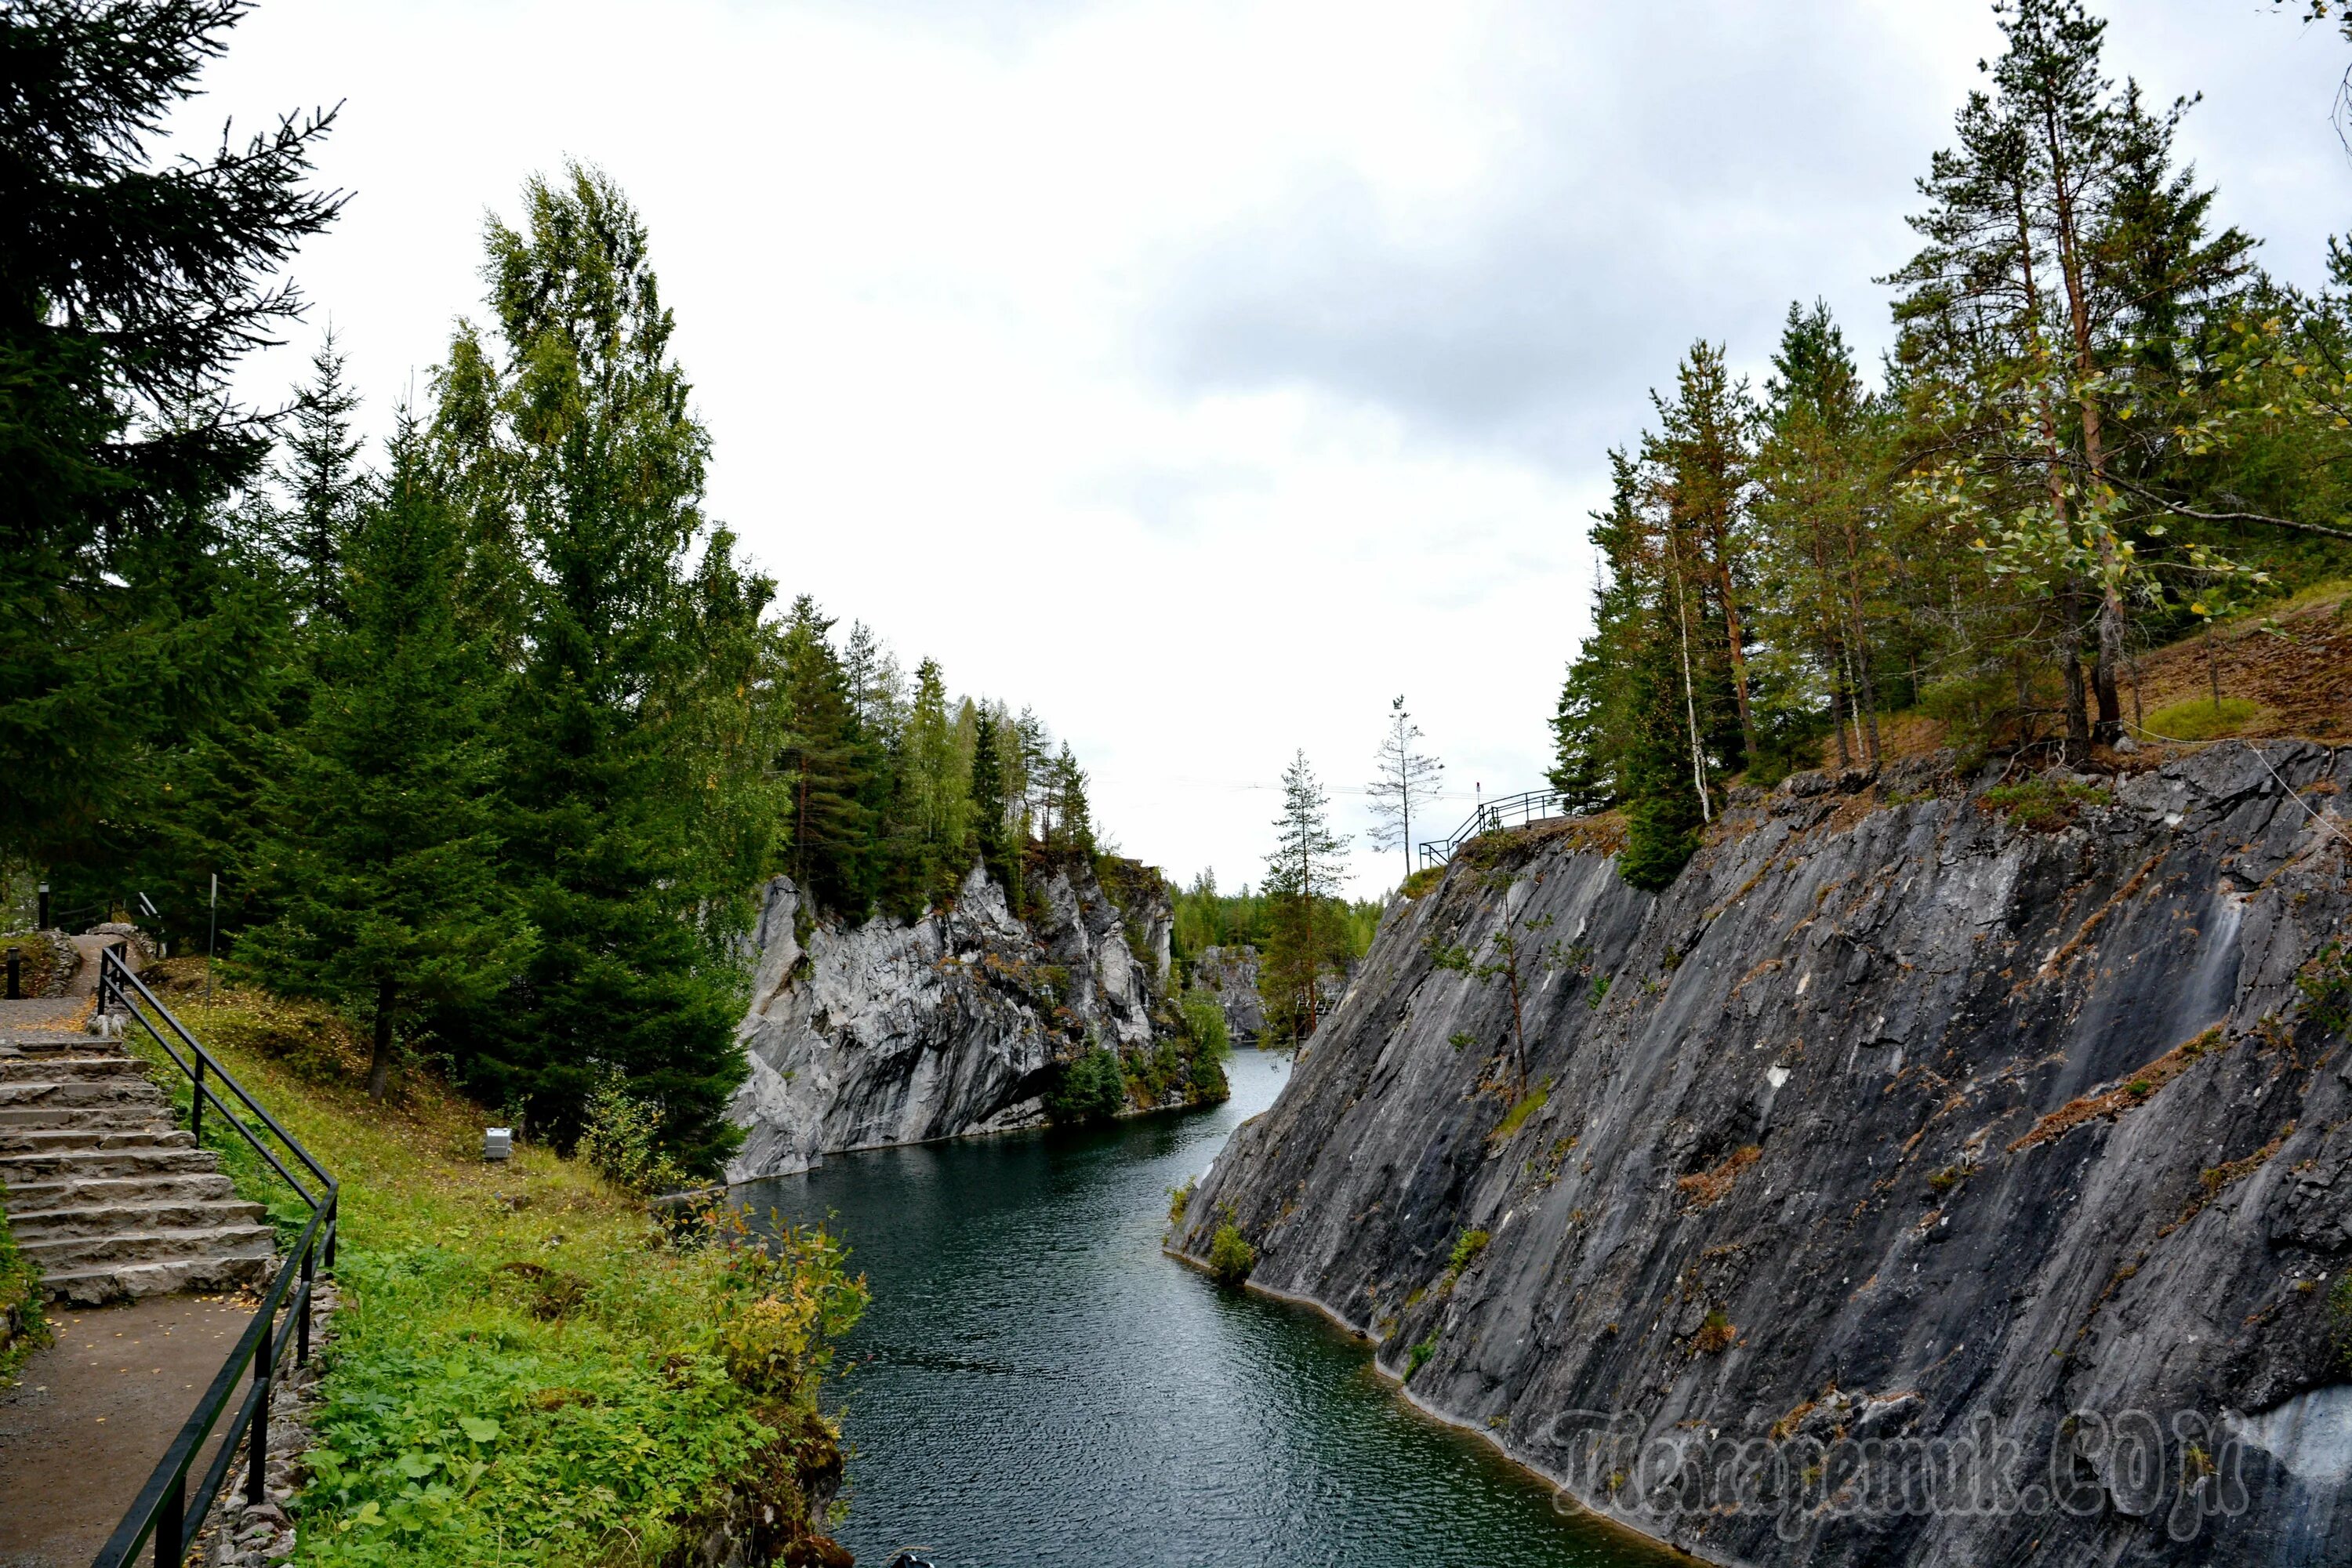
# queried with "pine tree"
point(1403, 777)
point(1071, 819)
point(383, 847)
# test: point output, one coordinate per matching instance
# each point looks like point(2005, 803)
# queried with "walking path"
point(93, 1413)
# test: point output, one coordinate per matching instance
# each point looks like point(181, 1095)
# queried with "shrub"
point(1204, 1025)
point(620, 1140)
point(1466, 1249)
point(1231, 1256)
point(2325, 982)
point(1092, 1089)
point(22, 1327)
point(1179, 1200)
point(1970, 708)
point(2199, 719)
point(1715, 1335)
point(2041, 806)
point(1420, 1354)
point(1422, 881)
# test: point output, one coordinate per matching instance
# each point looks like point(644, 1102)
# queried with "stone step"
point(81, 1091)
point(60, 1067)
point(175, 1214)
point(84, 1165)
point(53, 1140)
point(30, 1198)
point(116, 1116)
point(64, 1254)
point(97, 1286)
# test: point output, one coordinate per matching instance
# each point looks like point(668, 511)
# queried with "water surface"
point(1037, 1386)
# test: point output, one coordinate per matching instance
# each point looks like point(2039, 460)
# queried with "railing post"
point(302, 1305)
point(256, 1438)
point(172, 1525)
point(196, 1117)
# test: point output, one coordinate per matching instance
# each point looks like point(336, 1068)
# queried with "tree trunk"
point(379, 1078)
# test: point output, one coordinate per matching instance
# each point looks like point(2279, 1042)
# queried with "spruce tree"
point(382, 857)
point(574, 449)
point(1307, 937)
point(991, 840)
point(131, 599)
point(825, 769)
point(317, 475)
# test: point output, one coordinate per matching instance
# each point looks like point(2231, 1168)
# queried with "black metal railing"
point(1493, 817)
point(165, 1510)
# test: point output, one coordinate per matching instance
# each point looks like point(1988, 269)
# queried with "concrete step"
point(95, 1287)
point(55, 1140)
point(124, 1091)
point(175, 1214)
point(85, 1165)
point(30, 1198)
point(60, 1067)
point(64, 1254)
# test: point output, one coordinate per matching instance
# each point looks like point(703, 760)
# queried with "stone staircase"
point(101, 1190)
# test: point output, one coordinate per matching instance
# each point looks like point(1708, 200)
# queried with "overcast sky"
point(1204, 374)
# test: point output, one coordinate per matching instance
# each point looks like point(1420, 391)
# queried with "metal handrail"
point(1493, 817)
point(164, 1508)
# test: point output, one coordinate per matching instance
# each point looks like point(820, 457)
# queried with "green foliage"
point(23, 1329)
point(1204, 1025)
point(2041, 806)
point(1092, 1089)
point(2325, 981)
point(1466, 1249)
point(620, 1141)
point(139, 605)
point(1308, 939)
point(1422, 881)
point(1419, 1354)
point(1179, 1200)
point(1526, 1105)
point(1231, 1256)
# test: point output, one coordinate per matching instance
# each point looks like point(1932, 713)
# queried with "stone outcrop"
point(1230, 974)
point(895, 1032)
point(1924, 1177)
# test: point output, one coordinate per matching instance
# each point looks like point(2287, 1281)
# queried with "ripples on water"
point(1038, 1387)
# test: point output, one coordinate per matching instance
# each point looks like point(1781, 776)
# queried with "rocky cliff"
point(1927, 1176)
point(1230, 975)
point(895, 1032)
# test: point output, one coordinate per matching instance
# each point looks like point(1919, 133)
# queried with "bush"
point(1231, 1256)
point(22, 1327)
point(1716, 1334)
point(1092, 1089)
point(2041, 806)
point(620, 1140)
point(1466, 1249)
point(1420, 1354)
point(1179, 1200)
point(1422, 881)
point(1204, 1025)
point(2199, 720)
point(1970, 708)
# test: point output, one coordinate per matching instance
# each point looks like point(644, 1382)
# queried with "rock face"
point(1230, 974)
point(895, 1033)
point(1906, 1184)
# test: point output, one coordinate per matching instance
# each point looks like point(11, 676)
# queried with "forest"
point(2101, 428)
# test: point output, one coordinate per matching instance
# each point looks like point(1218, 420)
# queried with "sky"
point(1203, 376)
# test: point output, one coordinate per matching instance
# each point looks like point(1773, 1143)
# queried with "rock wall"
point(1230, 974)
point(898, 1033)
point(1903, 1185)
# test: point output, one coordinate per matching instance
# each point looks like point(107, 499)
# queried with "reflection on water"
point(1037, 1386)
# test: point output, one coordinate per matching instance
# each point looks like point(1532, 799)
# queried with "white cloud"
point(1202, 375)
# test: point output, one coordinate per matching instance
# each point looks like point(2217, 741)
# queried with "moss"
point(2201, 719)
point(1515, 1118)
point(1422, 881)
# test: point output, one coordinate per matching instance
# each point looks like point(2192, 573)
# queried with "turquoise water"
point(1037, 1386)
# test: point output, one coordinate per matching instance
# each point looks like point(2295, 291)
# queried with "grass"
point(2041, 806)
point(2201, 719)
point(1514, 1119)
point(525, 1369)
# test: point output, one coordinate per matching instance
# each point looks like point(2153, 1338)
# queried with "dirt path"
point(90, 1416)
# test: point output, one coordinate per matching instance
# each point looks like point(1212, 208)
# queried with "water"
point(1038, 1387)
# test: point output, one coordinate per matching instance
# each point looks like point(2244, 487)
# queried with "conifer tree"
point(825, 768)
point(318, 476)
point(1307, 937)
point(384, 850)
point(991, 841)
point(575, 448)
point(133, 608)
point(1403, 775)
